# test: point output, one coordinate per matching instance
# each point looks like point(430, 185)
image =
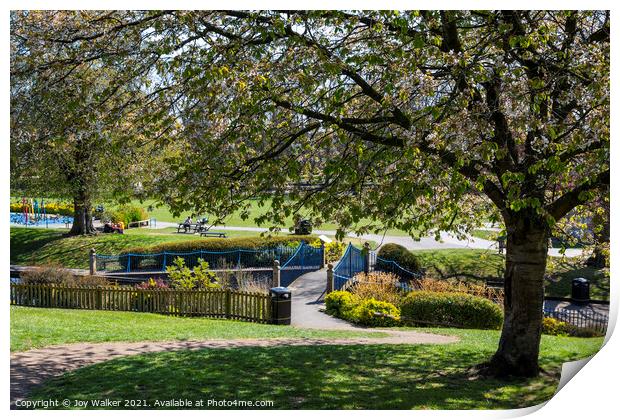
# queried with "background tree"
point(73, 131)
point(423, 121)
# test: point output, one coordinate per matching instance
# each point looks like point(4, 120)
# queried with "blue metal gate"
point(351, 263)
point(307, 258)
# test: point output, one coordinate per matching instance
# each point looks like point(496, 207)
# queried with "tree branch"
point(565, 203)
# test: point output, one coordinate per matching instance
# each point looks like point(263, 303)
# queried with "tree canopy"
point(398, 114)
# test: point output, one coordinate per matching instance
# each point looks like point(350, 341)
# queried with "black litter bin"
point(280, 305)
point(303, 227)
point(580, 292)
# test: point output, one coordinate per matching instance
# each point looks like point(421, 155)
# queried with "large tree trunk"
point(82, 216)
point(526, 260)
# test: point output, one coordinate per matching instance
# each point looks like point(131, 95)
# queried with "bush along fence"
point(356, 260)
point(303, 255)
point(215, 303)
point(580, 318)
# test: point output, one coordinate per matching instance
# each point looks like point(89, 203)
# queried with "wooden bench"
point(218, 234)
point(192, 228)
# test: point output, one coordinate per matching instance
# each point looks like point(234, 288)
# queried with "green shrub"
point(333, 250)
point(182, 278)
point(399, 254)
point(366, 312)
point(127, 213)
point(374, 313)
point(337, 303)
point(450, 309)
point(552, 326)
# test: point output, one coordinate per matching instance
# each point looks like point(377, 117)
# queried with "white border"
point(591, 394)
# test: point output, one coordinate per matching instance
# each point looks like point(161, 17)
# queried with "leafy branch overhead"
point(397, 114)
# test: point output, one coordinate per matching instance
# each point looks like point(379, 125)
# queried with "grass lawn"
point(41, 327)
point(325, 377)
point(478, 265)
point(164, 215)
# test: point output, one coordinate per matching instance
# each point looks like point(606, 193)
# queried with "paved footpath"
point(308, 293)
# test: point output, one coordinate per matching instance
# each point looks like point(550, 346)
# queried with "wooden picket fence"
point(215, 303)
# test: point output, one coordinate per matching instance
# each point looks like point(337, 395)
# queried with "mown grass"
point(326, 377)
point(165, 215)
point(42, 327)
point(481, 265)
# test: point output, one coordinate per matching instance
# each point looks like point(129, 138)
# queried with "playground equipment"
point(34, 213)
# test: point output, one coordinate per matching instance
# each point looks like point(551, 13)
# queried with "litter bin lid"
point(580, 280)
point(279, 290)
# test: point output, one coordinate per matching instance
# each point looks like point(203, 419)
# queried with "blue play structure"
point(46, 220)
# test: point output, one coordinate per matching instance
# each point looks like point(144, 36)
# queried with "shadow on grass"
point(26, 241)
point(310, 377)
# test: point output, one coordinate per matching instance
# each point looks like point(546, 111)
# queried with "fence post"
point(276, 273)
point(330, 279)
point(92, 261)
point(228, 303)
point(322, 254)
point(366, 257)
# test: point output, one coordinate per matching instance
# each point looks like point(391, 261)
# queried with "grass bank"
point(479, 265)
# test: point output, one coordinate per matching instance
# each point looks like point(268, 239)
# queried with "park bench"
point(192, 228)
point(208, 233)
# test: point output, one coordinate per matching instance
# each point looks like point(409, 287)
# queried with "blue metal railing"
point(238, 258)
point(307, 258)
point(351, 263)
point(391, 266)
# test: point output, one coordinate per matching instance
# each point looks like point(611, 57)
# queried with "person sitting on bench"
point(107, 228)
point(187, 224)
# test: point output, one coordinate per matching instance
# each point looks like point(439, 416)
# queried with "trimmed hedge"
point(401, 255)
point(62, 209)
point(364, 312)
point(461, 310)
point(338, 302)
point(221, 244)
point(369, 312)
